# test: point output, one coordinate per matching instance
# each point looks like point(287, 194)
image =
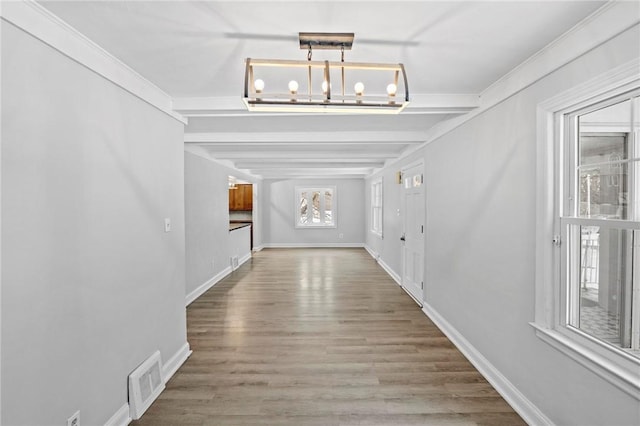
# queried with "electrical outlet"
point(167, 224)
point(74, 420)
point(341, 235)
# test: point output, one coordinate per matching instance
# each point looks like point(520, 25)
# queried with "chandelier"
point(279, 85)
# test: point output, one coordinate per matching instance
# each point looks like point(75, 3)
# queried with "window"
point(376, 207)
point(315, 207)
point(600, 219)
point(588, 238)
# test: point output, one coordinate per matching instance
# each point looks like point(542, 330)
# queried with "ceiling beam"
point(308, 138)
point(310, 174)
point(233, 105)
point(316, 171)
point(316, 165)
point(314, 176)
point(298, 157)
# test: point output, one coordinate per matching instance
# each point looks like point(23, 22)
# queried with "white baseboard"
point(373, 254)
point(206, 286)
point(391, 272)
point(386, 267)
point(525, 408)
point(121, 417)
point(214, 280)
point(258, 248)
point(313, 245)
point(244, 259)
point(172, 364)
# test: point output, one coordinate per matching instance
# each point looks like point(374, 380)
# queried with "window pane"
point(603, 301)
point(606, 162)
point(596, 148)
point(603, 191)
point(376, 207)
point(315, 207)
point(613, 119)
point(303, 207)
point(377, 219)
point(328, 207)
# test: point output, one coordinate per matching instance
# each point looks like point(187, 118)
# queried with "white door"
point(413, 232)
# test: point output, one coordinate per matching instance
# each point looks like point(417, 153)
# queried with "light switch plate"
point(167, 224)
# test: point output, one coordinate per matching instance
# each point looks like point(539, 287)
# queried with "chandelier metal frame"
point(325, 100)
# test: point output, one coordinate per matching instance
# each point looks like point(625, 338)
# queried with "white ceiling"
point(194, 51)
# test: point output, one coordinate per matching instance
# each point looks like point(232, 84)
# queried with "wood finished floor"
point(320, 337)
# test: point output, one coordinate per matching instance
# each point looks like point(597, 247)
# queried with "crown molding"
point(602, 25)
point(39, 22)
point(590, 91)
point(611, 20)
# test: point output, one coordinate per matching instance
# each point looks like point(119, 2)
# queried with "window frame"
point(334, 208)
point(612, 364)
point(377, 205)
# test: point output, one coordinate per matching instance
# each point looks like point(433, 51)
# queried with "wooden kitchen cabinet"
point(247, 197)
point(241, 198)
point(233, 198)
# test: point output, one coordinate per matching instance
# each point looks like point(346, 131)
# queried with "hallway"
point(320, 337)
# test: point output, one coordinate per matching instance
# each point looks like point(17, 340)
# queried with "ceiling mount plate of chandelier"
point(280, 85)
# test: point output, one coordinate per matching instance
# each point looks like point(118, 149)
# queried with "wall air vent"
point(145, 384)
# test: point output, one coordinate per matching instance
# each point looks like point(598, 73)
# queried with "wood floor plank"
point(320, 337)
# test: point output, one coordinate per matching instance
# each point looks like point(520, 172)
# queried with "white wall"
point(1, 25)
point(278, 205)
point(239, 244)
point(91, 283)
point(480, 245)
point(388, 247)
point(207, 221)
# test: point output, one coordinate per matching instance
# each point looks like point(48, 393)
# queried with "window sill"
point(615, 368)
